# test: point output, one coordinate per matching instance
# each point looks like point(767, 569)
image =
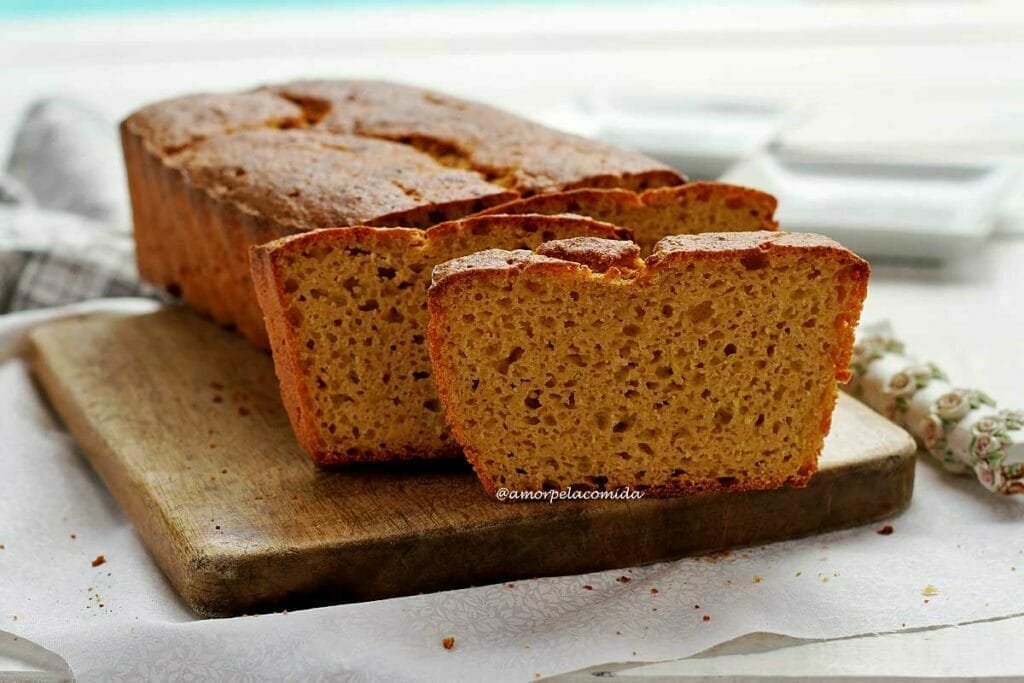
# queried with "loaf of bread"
point(654, 214)
point(712, 365)
point(212, 175)
point(347, 313)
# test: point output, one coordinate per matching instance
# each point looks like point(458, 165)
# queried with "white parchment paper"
point(955, 556)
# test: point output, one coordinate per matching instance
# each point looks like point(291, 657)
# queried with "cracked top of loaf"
point(319, 154)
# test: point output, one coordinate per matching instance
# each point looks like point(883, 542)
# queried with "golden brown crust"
point(310, 179)
point(683, 209)
point(506, 149)
point(749, 248)
point(170, 126)
point(597, 254)
point(271, 282)
point(582, 200)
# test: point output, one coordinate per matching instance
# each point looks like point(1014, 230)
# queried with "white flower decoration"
point(921, 373)
point(930, 431)
point(1014, 418)
point(901, 384)
point(954, 405)
point(986, 444)
point(989, 425)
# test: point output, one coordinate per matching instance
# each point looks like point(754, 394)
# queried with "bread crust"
point(497, 264)
point(267, 270)
point(585, 200)
point(510, 151)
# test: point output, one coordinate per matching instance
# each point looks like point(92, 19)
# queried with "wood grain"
point(183, 422)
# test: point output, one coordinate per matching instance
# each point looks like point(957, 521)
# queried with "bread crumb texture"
point(347, 314)
point(710, 366)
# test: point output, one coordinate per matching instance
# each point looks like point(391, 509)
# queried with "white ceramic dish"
point(701, 137)
point(925, 211)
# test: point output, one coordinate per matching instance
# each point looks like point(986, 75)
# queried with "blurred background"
point(824, 86)
point(897, 127)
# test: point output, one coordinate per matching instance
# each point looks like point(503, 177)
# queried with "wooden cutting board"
point(183, 422)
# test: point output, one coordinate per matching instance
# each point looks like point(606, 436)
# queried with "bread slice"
point(346, 309)
point(712, 365)
point(212, 174)
point(653, 214)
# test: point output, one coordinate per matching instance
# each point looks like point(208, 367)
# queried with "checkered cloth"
point(64, 228)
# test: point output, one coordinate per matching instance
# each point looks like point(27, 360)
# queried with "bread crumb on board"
point(99, 560)
point(885, 530)
point(448, 642)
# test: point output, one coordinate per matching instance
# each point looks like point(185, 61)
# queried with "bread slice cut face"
point(711, 365)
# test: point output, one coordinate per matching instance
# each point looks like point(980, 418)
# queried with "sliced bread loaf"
point(712, 365)
point(211, 175)
point(346, 309)
point(653, 214)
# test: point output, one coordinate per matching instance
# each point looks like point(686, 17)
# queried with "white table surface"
point(939, 79)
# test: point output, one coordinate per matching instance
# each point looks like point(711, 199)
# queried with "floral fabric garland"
point(962, 428)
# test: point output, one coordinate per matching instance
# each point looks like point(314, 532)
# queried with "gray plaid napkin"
point(64, 214)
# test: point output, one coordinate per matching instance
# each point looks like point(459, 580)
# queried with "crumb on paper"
point(654, 591)
point(930, 590)
point(99, 560)
point(618, 633)
point(799, 573)
point(224, 471)
point(706, 618)
point(696, 607)
point(74, 536)
point(885, 530)
point(448, 642)
point(623, 579)
point(757, 579)
point(587, 587)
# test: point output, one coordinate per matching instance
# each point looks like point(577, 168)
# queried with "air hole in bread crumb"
point(755, 261)
point(515, 355)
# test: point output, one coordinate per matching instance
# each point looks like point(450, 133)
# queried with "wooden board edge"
point(213, 580)
point(502, 552)
point(155, 530)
